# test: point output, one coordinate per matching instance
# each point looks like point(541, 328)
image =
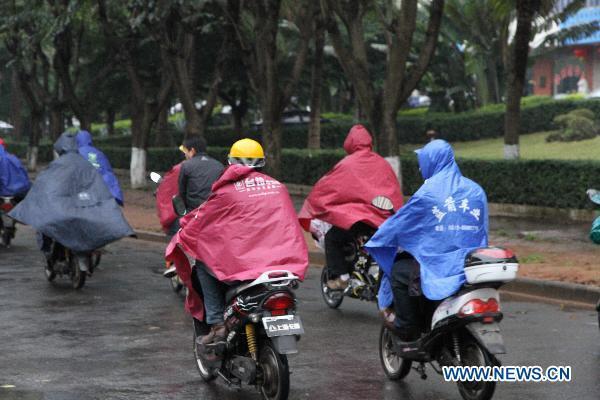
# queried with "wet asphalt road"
point(125, 336)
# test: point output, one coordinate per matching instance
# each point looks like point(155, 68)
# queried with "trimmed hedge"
point(477, 125)
point(536, 116)
point(549, 183)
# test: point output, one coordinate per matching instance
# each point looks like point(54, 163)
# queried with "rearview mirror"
point(594, 195)
point(179, 205)
point(383, 203)
point(155, 177)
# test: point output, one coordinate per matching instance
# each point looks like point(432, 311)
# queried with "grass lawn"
point(533, 146)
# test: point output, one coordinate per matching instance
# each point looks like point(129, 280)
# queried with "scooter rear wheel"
point(472, 354)
point(207, 373)
point(275, 382)
point(394, 366)
point(333, 298)
point(77, 275)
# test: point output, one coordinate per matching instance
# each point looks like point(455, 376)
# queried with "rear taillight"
point(478, 306)
point(279, 303)
point(6, 207)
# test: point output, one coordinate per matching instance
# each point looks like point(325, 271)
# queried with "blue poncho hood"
point(13, 177)
point(443, 221)
point(100, 162)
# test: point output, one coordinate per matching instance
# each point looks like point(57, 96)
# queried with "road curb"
point(551, 290)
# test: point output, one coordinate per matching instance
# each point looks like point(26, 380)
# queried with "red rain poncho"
point(169, 187)
point(246, 227)
point(343, 196)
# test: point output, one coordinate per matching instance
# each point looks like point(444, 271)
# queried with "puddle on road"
point(14, 394)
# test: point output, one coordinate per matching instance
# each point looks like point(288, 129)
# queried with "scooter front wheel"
point(49, 270)
point(394, 366)
point(473, 354)
point(176, 284)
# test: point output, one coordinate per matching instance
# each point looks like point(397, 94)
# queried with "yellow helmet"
point(247, 152)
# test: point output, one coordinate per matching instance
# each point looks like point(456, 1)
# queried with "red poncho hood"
point(246, 227)
point(343, 196)
point(169, 187)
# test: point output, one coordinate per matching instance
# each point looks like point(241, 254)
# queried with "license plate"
point(283, 326)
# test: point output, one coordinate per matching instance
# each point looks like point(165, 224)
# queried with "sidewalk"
point(546, 249)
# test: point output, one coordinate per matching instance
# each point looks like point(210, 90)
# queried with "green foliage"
point(550, 183)
point(575, 125)
point(489, 122)
point(547, 183)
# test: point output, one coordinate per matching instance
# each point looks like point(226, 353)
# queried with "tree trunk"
point(314, 129)
point(16, 106)
point(184, 86)
point(34, 140)
point(85, 122)
point(163, 133)
point(56, 122)
point(238, 125)
point(141, 123)
point(271, 138)
point(494, 84)
point(526, 10)
point(110, 121)
point(388, 143)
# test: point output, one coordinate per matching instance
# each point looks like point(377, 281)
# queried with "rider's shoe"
point(170, 272)
point(217, 335)
point(337, 284)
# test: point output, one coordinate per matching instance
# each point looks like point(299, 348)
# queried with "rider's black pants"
point(413, 310)
point(336, 239)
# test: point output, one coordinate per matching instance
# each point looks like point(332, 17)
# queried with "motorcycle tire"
point(77, 275)
point(333, 298)
point(275, 376)
point(207, 373)
point(473, 354)
point(49, 270)
point(6, 238)
point(394, 366)
point(176, 285)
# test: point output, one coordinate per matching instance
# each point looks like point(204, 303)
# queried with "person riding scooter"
point(13, 176)
point(246, 227)
point(14, 184)
point(444, 220)
point(100, 162)
point(343, 199)
point(195, 177)
point(70, 203)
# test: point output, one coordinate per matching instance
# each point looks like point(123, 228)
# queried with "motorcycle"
point(176, 284)
point(594, 196)
point(263, 329)
point(7, 224)
point(62, 261)
point(464, 328)
point(365, 277)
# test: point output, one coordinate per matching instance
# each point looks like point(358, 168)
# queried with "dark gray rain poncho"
point(70, 203)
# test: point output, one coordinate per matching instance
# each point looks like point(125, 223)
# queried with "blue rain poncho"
point(443, 221)
point(70, 203)
point(100, 162)
point(13, 177)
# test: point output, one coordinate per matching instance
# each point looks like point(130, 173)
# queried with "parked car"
point(291, 117)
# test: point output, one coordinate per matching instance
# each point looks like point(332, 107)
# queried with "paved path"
point(125, 336)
